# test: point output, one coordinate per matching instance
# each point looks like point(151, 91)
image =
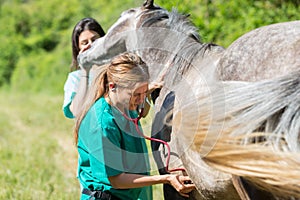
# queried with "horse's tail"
point(248, 129)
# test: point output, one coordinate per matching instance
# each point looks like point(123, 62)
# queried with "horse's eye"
point(131, 10)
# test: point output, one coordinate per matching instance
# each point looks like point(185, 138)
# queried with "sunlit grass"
point(37, 155)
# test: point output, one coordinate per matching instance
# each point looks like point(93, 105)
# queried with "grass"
point(37, 153)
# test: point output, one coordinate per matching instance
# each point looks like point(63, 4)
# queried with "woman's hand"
point(84, 48)
point(182, 184)
point(85, 68)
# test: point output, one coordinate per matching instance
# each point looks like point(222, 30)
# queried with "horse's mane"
point(174, 21)
point(188, 46)
point(182, 23)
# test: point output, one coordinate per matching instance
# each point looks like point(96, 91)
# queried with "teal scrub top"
point(108, 145)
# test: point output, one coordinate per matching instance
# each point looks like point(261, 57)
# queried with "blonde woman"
point(114, 162)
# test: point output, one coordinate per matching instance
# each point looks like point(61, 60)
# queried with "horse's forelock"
point(148, 18)
point(173, 20)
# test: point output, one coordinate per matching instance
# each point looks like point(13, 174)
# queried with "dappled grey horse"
point(232, 116)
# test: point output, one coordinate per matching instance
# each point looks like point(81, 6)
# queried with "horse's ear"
point(148, 4)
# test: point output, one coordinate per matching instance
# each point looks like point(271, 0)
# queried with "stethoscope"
point(136, 123)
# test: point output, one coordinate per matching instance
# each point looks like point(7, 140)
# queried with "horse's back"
point(263, 53)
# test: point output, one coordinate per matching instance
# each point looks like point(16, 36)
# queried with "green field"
point(37, 153)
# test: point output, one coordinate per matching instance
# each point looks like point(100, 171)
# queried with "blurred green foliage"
point(35, 48)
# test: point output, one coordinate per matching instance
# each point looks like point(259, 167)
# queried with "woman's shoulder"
point(105, 119)
point(98, 116)
point(73, 77)
point(104, 113)
point(74, 74)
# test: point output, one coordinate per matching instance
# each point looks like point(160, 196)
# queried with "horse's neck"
point(202, 60)
point(170, 59)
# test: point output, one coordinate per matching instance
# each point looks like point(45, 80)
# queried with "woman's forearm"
point(126, 181)
point(79, 98)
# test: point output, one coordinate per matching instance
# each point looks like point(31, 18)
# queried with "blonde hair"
point(125, 70)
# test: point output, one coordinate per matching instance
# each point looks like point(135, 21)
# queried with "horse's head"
point(145, 27)
point(115, 41)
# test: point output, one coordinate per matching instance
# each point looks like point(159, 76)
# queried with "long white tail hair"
point(248, 129)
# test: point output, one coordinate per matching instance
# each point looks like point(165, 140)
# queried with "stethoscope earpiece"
point(112, 87)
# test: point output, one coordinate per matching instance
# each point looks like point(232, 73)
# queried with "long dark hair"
point(82, 25)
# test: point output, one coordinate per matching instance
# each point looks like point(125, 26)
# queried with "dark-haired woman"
point(85, 32)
